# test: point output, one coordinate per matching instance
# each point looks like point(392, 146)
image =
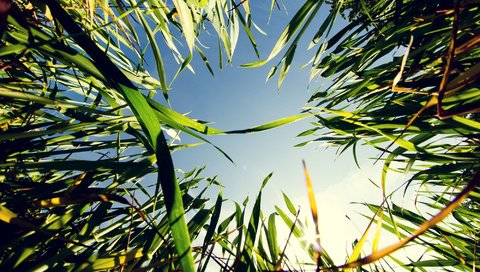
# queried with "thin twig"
point(278, 265)
point(447, 210)
point(443, 85)
point(450, 58)
point(235, 6)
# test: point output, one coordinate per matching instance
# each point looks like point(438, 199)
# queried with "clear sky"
point(238, 98)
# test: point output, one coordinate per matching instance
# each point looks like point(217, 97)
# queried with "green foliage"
point(405, 82)
point(356, 9)
point(81, 129)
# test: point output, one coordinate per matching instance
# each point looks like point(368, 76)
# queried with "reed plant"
point(87, 181)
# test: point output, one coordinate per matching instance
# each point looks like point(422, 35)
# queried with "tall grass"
point(82, 137)
point(405, 82)
point(81, 127)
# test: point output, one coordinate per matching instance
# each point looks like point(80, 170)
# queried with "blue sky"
point(238, 98)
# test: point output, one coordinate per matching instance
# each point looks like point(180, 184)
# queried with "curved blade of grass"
point(12, 49)
point(359, 246)
point(289, 204)
point(398, 77)
point(271, 234)
point(288, 32)
point(286, 65)
point(288, 57)
point(183, 123)
point(174, 204)
point(205, 60)
point(211, 230)
point(81, 165)
point(185, 64)
point(170, 116)
point(375, 256)
point(270, 125)
point(186, 20)
point(313, 208)
point(246, 27)
point(156, 53)
point(246, 263)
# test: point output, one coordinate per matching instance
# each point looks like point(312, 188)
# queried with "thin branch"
point(278, 265)
point(450, 58)
point(375, 256)
point(235, 6)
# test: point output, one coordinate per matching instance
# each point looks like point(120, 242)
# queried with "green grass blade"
point(156, 53)
point(174, 204)
point(271, 125)
point(246, 263)
point(186, 20)
point(290, 205)
point(288, 32)
point(272, 238)
point(211, 230)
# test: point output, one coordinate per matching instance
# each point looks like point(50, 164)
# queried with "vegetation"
point(81, 127)
point(405, 82)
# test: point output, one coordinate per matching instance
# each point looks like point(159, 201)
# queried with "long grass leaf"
point(314, 211)
point(270, 125)
point(289, 31)
point(186, 20)
point(441, 215)
point(174, 204)
point(156, 53)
